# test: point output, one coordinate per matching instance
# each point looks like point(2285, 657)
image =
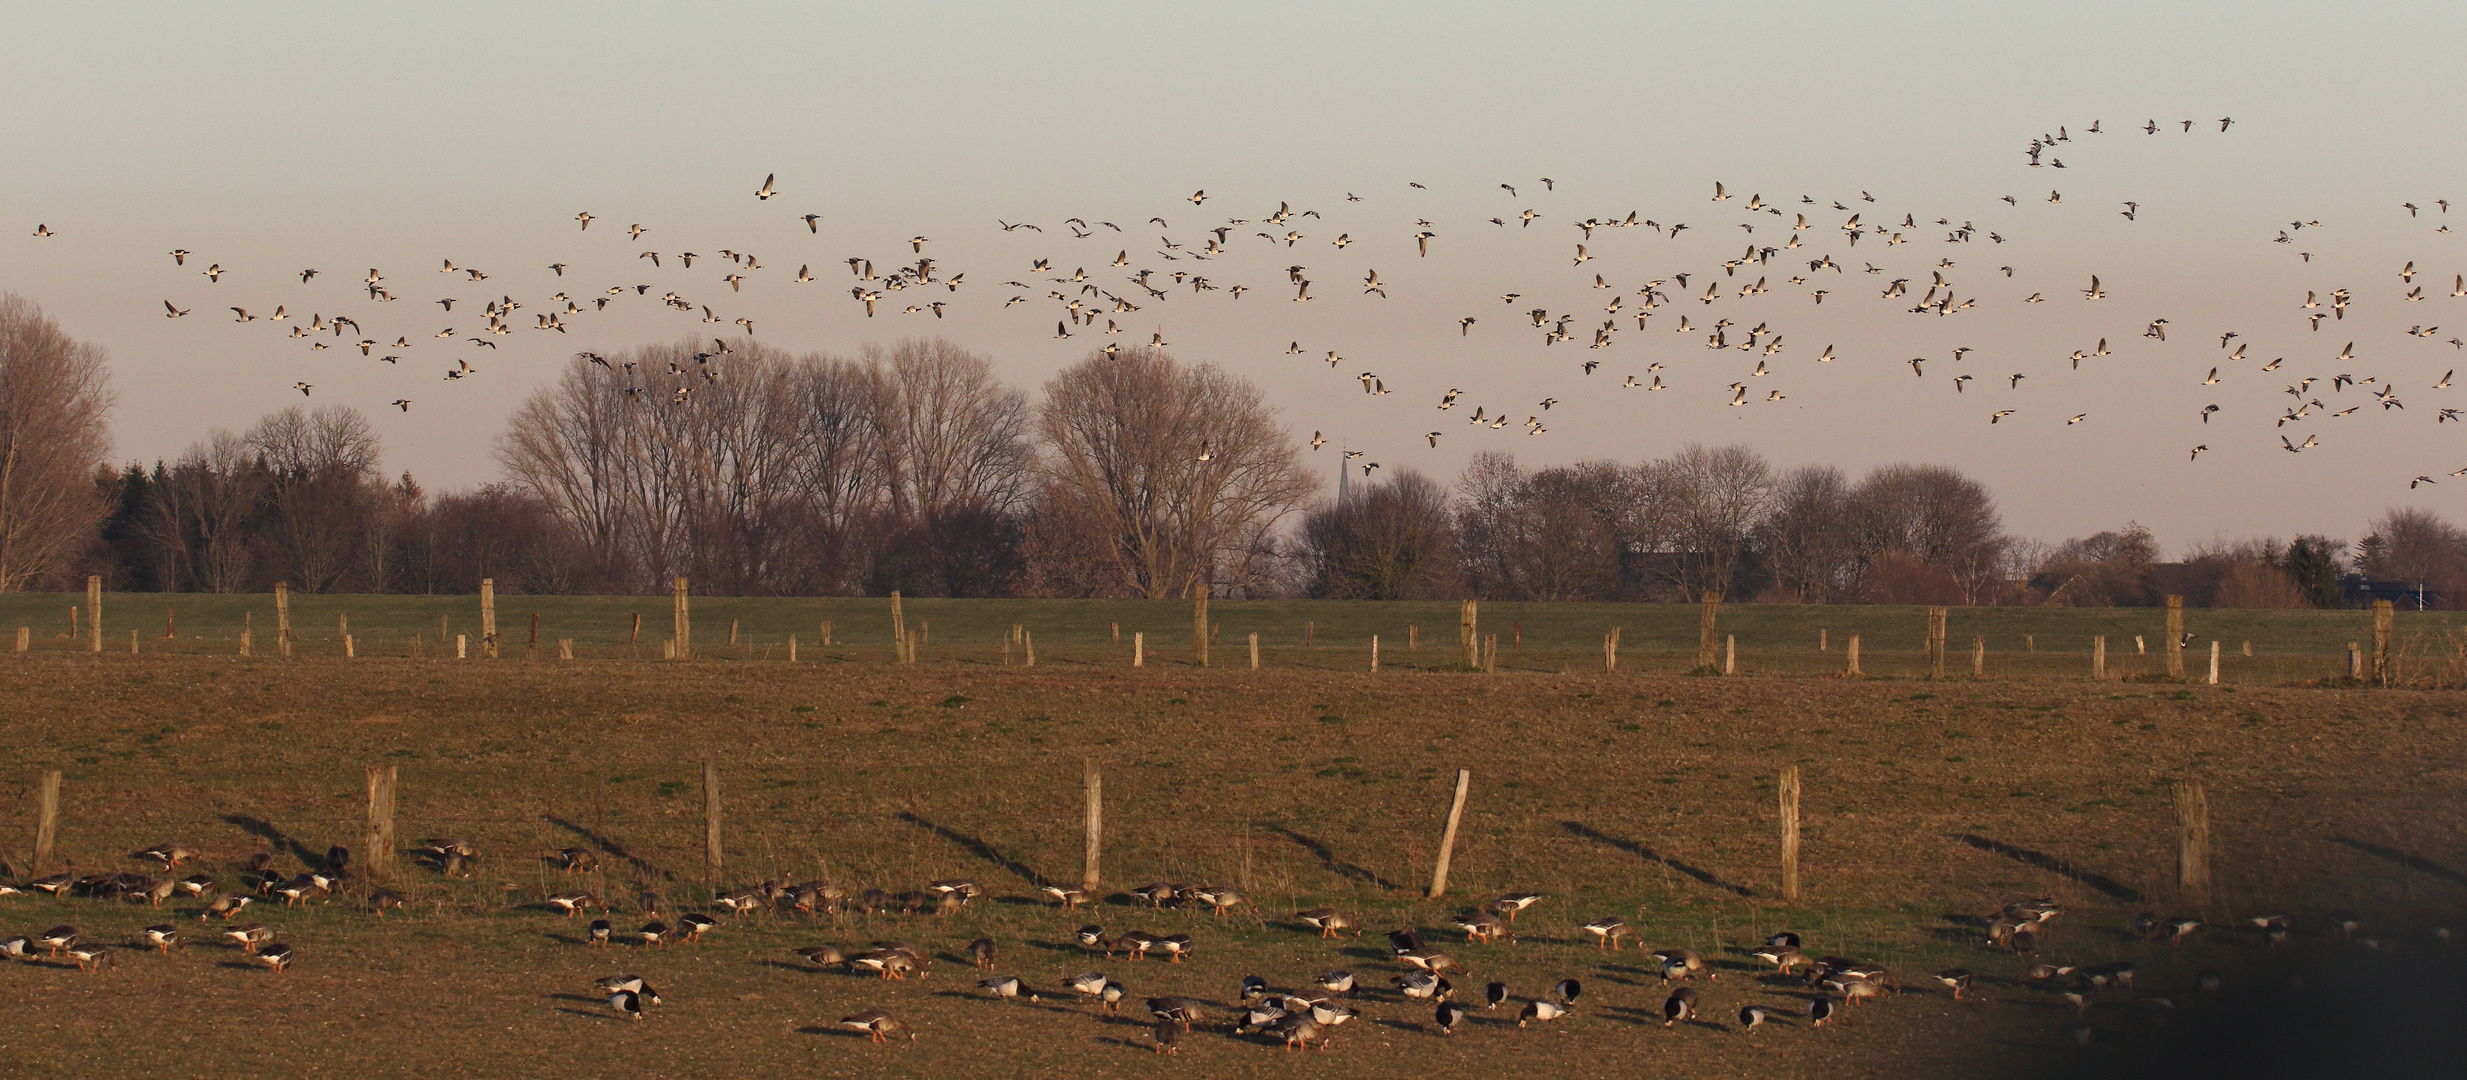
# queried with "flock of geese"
point(1799, 986)
point(1804, 245)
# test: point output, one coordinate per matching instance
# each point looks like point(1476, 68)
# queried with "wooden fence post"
point(1308, 628)
point(488, 617)
point(685, 624)
point(1413, 637)
point(244, 642)
point(1447, 837)
point(350, 649)
point(1790, 832)
point(1139, 648)
point(711, 824)
point(826, 633)
point(1468, 636)
point(171, 623)
point(634, 636)
point(1705, 630)
point(377, 847)
point(1374, 652)
point(2192, 842)
point(282, 617)
point(535, 628)
point(899, 630)
point(1854, 671)
point(792, 648)
point(1028, 639)
point(1935, 642)
point(1254, 652)
point(132, 641)
point(732, 633)
point(1117, 633)
point(1822, 644)
point(47, 818)
point(2175, 637)
point(1490, 654)
point(565, 648)
point(2098, 657)
point(1978, 658)
point(2214, 662)
point(1095, 825)
point(2355, 661)
point(2382, 620)
point(1199, 628)
point(25, 638)
point(462, 646)
point(1730, 654)
point(94, 608)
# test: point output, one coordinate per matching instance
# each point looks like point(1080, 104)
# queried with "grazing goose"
point(1494, 995)
point(162, 936)
point(1158, 894)
point(1954, 979)
point(382, 899)
point(889, 963)
point(1221, 900)
point(276, 957)
point(1607, 932)
point(2181, 928)
point(1567, 991)
point(89, 957)
point(577, 860)
point(1513, 903)
point(695, 924)
point(57, 939)
point(1327, 920)
point(823, 956)
point(1819, 1010)
point(57, 885)
point(1300, 1030)
point(1783, 940)
point(982, 952)
point(631, 984)
point(1175, 946)
point(1336, 982)
point(298, 891)
point(1424, 986)
point(1686, 961)
point(1174, 1010)
point(1087, 983)
point(1254, 988)
point(1482, 926)
point(1167, 1034)
point(1111, 995)
point(168, 854)
point(1406, 940)
point(1784, 957)
point(1007, 986)
point(627, 1003)
point(18, 947)
point(573, 904)
point(963, 888)
point(1679, 1006)
point(1753, 1016)
point(744, 903)
point(1133, 944)
point(1857, 990)
point(1430, 960)
point(597, 934)
point(873, 900)
point(1537, 1011)
point(196, 884)
point(654, 934)
point(1070, 898)
point(1093, 939)
point(1449, 1015)
point(250, 938)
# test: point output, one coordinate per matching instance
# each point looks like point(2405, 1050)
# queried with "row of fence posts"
point(1480, 653)
point(379, 844)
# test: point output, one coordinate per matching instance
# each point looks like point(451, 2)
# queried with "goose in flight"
point(1999, 415)
point(2197, 452)
point(2077, 418)
point(214, 273)
point(768, 189)
point(585, 218)
point(170, 312)
point(302, 387)
point(401, 403)
point(2094, 292)
point(2411, 485)
point(636, 231)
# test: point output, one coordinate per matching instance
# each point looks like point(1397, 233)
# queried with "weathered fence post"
point(377, 847)
point(535, 629)
point(826, 633)
point(2382, 620)
point(1199, 627)
point(25, 638)
point(565, 648)
point(899, 630)
point(1790, 832)
point(1490, 654)
point(1610, 650)
point(350, 648)
point(1935, 642)
point(2098, 657)
point(94, 608)
point(1978, 658)
point(171, 623)
point(1413, 637)
point(2192, 842)
point(2355, 661)
point(1854, 657)
point(462, 646)
point(1309, 627)
point(282, 617)
point(132, 641)
point(1095, 822)
point(488, 617)
point(1447, 836)
point(732, 633)
point(1254, 652)
point(2214, 662)
point(685, 623)
point(792, 648)
point(2175, 637)
point(1374, 652)
point(1468, 636)
point(711, 824)
point(1822, 644)
point(1730, 654)
point(47, 818)
point(1139, 648)
point(1027, 638)
point(1705, 622)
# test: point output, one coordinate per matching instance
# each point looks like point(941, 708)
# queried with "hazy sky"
point(272, 138)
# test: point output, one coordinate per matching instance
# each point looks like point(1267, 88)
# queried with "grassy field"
point(1646, 794)
point(2285, 646)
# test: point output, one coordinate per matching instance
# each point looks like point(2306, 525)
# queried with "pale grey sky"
point(269, 138)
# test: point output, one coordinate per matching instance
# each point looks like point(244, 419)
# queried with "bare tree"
point(1713, 500)
point(1935, 517)
point(1807, 542)
point(950, 433)
point(202, 510)
point(322, 487)
point(55, 395)
point(1179, 473)
point(1394, 541)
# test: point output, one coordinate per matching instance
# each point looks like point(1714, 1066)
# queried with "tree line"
point(914, 467)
